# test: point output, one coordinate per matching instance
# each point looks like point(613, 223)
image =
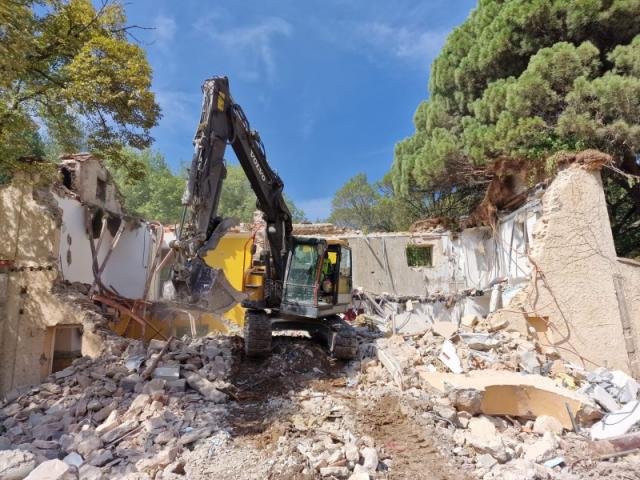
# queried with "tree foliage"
point(69, 69)
point(369, 207)
point(526, 79)
point(378, 207)
point(159, 196)
point(238, 200)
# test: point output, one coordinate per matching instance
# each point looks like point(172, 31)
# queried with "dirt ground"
point(268, 421)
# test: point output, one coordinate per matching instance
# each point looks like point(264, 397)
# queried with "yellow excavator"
point(295, 283)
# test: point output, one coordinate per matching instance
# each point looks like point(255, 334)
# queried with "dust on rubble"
point(198, 409)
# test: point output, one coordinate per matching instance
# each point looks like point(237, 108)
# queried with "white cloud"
point(251, 46)
point(403, 42)
point(164, 32)
point(316, 208)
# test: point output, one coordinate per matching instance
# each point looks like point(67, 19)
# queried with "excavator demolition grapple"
point(293, 283)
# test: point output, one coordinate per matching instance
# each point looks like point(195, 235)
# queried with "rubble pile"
point(478, 400)
point(509, 407)
point(132, 411)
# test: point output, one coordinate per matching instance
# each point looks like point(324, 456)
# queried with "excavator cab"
point(317, 279)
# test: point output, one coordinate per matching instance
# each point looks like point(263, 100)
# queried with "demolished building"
point(549, 264)
point(76, 235)
point(489, 340)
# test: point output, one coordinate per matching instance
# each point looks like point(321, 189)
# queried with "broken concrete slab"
point(167, 373)
point(73, 459)
point(629, 388)
point(466, 400)
point(444, 329)
point(528, 361)
point(205, 388)
point(52, 470)
point(617, 423)
point(542, 449)
point(16, 464)
point(546, 423)
point(470, 321)
point(486, 461)
point(514, 394)
point(602, 397)
point(481, 341)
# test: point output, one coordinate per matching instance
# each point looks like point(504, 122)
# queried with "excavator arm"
point(223, 122)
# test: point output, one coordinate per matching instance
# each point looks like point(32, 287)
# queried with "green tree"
point(238, 200)
point(159, 196)
point(70, 69)
point(369, 207)
point(526, 79)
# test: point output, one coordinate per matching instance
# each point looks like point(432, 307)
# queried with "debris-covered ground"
point(198, 409)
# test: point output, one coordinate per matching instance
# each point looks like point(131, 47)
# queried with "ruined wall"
point(29, 247)
point(380, 264)
point(129, 263)
point(91, 180)
point(579, 273)
point(471, 259)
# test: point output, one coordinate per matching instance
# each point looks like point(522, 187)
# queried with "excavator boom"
point(223, 122)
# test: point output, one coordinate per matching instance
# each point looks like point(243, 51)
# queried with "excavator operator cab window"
point(303, 269)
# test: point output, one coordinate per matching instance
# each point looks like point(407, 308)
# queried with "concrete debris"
point(444, 329)
point(52, 470)
point(547, 423)
point(513, 405)
point(16, 464)
point(542, 449)
point(510, 393)
point(481, 341)
point(202, 411)
point(617, 423)
point(96, 427)
point(450, 358)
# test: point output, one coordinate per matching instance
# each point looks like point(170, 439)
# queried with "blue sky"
point(331, 86)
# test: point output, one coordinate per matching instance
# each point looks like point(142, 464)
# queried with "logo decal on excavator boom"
point(258, 167)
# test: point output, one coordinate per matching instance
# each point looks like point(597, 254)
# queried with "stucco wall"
point(30, 239)
point(88, 171)
point(574, 251)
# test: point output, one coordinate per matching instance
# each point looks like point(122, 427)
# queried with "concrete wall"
point(380, 264)
point(630, 273)
point(579, 273)
point(471, 259)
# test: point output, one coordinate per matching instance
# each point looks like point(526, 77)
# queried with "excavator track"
point(257, 333)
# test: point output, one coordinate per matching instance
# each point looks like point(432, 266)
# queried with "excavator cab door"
point(301, 279)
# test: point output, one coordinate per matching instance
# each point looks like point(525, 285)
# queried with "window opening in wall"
point(419, 255)
point(101, 189)
point(67, 346)
point(96, 223)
